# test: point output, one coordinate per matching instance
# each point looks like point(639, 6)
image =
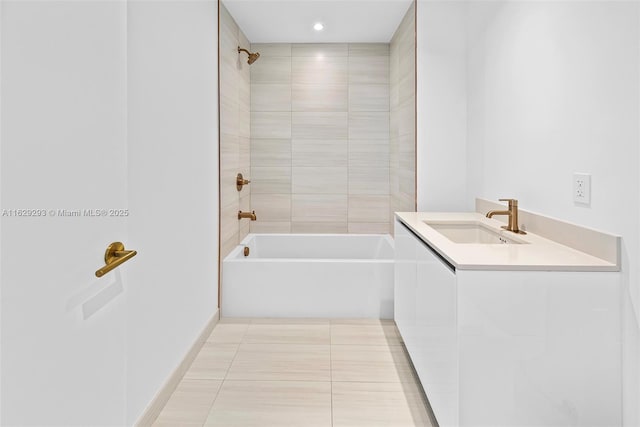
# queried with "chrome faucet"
point(512, 212)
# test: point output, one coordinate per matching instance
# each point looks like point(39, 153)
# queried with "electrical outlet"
point(582, 188)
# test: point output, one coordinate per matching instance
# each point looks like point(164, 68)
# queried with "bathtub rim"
point(235, 256)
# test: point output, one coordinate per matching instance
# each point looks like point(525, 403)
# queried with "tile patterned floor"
point(299, 373)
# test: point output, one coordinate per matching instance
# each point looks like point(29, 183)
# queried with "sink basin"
point(473, 232)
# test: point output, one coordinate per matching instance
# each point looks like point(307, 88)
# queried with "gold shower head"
point(253, 57)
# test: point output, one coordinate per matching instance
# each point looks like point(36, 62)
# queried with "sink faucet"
point(512, 212)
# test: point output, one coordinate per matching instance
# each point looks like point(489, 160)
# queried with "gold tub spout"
point(251, 215)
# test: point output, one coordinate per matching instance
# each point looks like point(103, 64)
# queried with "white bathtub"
point(309, 275)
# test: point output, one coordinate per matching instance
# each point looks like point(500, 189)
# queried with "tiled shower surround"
point(234, 132)
point(320, 138)
point(403, 115)
point(325, 132)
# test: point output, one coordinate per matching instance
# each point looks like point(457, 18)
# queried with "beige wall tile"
point(319, 227)
point(319, 125)
point(229, 115)
point(368, 208)
point(369, 153)
point(229, 222)
point(245, 228)
point(271, 70)
point(407, 117)
point(271, 207)
point(244, 154)
point(244, 124)
point(370, 227)
point(407, 86)
point(369, 70)
point(339, 98)
point(229, 152)
point(369, 49)
point(272, 403)
point(368, 180)
point(369, 125)
point(235, 129)
point(320, 152)
point(228, 192)
point(320, 49)
point(319, 180)
point(368, 97)
point(244, 97)
point(227, 246)
point(271, 49)
point(245, 204)
point(320, 70)
point(270, 125)
point(319, 97)
point(318, 208)
point(270, 180)
point(270, 152)
point(270, 97)
point(268, 227)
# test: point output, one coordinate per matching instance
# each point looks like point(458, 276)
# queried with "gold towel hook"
point(114, 256)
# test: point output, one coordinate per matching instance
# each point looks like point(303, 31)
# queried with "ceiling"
point(291, 21)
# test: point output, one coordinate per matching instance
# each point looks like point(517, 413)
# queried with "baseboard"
point(162, 397)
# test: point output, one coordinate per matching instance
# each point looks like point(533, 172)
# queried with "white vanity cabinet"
point(507, 348)
point(425, 312)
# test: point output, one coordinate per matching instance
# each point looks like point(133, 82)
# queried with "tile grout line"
point(224, 377)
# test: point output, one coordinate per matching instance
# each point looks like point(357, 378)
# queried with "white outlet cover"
point(582, 188)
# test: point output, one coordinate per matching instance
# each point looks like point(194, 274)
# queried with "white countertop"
point(537, 253)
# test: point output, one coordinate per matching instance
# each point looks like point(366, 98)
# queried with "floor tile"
point(228, 333)
point(290, 321)
point(305, 362)
point(287, 334)
point(378, 405)
point(235, 320)
point(190, 403)
point(212, 362)
point(369, 363)
point(365, 334)
point(358, 321)
point(272, 404)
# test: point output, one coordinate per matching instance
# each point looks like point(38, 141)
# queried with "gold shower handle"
point(240, 181)
point(114, 256)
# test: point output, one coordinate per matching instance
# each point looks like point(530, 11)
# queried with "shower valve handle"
point(240, 181)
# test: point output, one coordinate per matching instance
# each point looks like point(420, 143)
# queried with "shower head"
point(253, 57)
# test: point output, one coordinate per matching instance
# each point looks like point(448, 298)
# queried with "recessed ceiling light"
point(318, 26)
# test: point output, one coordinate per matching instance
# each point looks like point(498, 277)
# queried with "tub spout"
point(251, 215)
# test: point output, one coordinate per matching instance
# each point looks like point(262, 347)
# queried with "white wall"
point(105, 105)
point(441, 107)
point(63, 147)
point(551, 88)
point(173, 186)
